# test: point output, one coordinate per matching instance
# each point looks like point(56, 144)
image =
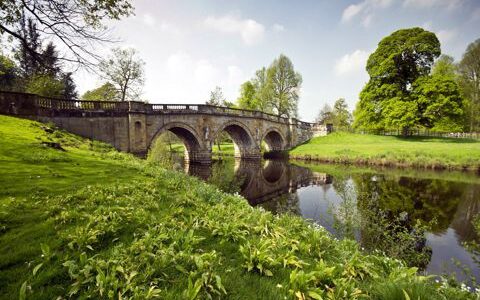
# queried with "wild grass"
point(101, 224)
point(419, 152)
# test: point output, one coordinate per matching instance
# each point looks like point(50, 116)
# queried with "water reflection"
point(370, 206)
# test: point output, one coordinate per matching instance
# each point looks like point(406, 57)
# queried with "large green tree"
point(469, 69)
point(284, 83)
point(273, 90)
point(400, 93)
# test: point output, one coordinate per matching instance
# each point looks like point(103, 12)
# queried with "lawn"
point(81, 220)
point(422, 152)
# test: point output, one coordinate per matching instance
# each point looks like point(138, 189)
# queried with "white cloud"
point(450, 4)
point(351, 11)
point(365, 9)
point(235, 76)
point(188, 78)
point(179, 63)
point(367, 20)
point(278, 28)
point(149, 20)
point(351, 63)
point(249, 30)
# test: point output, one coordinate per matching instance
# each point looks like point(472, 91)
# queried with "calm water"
point(362, 204)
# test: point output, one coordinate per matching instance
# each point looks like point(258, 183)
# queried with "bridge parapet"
point(24, 104)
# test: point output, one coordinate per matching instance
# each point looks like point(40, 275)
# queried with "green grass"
point(225, 148)
point(89, 222)
point(421, 152)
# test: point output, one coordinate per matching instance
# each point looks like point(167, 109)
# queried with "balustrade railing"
point(7, 99)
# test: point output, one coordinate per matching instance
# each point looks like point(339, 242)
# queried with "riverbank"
point(79, 219)
point(392, 151)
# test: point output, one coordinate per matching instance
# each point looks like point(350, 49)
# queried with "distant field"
point(425, 152)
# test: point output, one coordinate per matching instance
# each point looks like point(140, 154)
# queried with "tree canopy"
point(402, 93)
point(125, 71)
point(273, 90)
point(106, 92)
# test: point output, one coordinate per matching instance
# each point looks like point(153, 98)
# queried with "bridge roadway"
point(134, 126)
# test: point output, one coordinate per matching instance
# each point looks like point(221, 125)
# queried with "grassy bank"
point(419, 152)
point(85, 221)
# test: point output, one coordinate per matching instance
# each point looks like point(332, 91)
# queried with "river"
point(422, 217)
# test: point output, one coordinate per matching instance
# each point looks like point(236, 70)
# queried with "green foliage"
point(284, 84)
point(273, 90)
point(339, 116)
point(125, 71)
point(247, 99)
point(106, 92)
point(469, 69)
point(8, 73)
point(439, 103)
point(401, 93)
point(45, 85)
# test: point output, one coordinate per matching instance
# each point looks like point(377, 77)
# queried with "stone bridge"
point(133, 126)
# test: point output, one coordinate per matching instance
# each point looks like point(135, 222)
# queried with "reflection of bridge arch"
point(186, 133)
point(274, 139)
point(273, 171)
point(242, 138)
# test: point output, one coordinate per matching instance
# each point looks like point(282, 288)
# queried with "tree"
point(439, 102)
point(76, 24)
point(399, 93)
point(29, 51)
point(70, 88)
point(284, 84)
point(444, 66)
point(106, 92)
point(45, 85)
point(342, 118)
point(469, 69)
point(263, 92)
point(325, 115)
point(125, 71)
point(247, 99)
point(8, 73)
point(255, 94)
point(216, 97)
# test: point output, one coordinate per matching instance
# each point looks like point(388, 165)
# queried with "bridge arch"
point(243, 142)
point(194, 151)
point(274, 139)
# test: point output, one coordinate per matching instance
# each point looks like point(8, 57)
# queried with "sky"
point(190, 47)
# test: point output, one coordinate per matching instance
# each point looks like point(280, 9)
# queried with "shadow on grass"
point(436, 139)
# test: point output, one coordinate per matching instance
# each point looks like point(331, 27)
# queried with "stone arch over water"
point(190, 138)
point(243, 142)
point(274, 140)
